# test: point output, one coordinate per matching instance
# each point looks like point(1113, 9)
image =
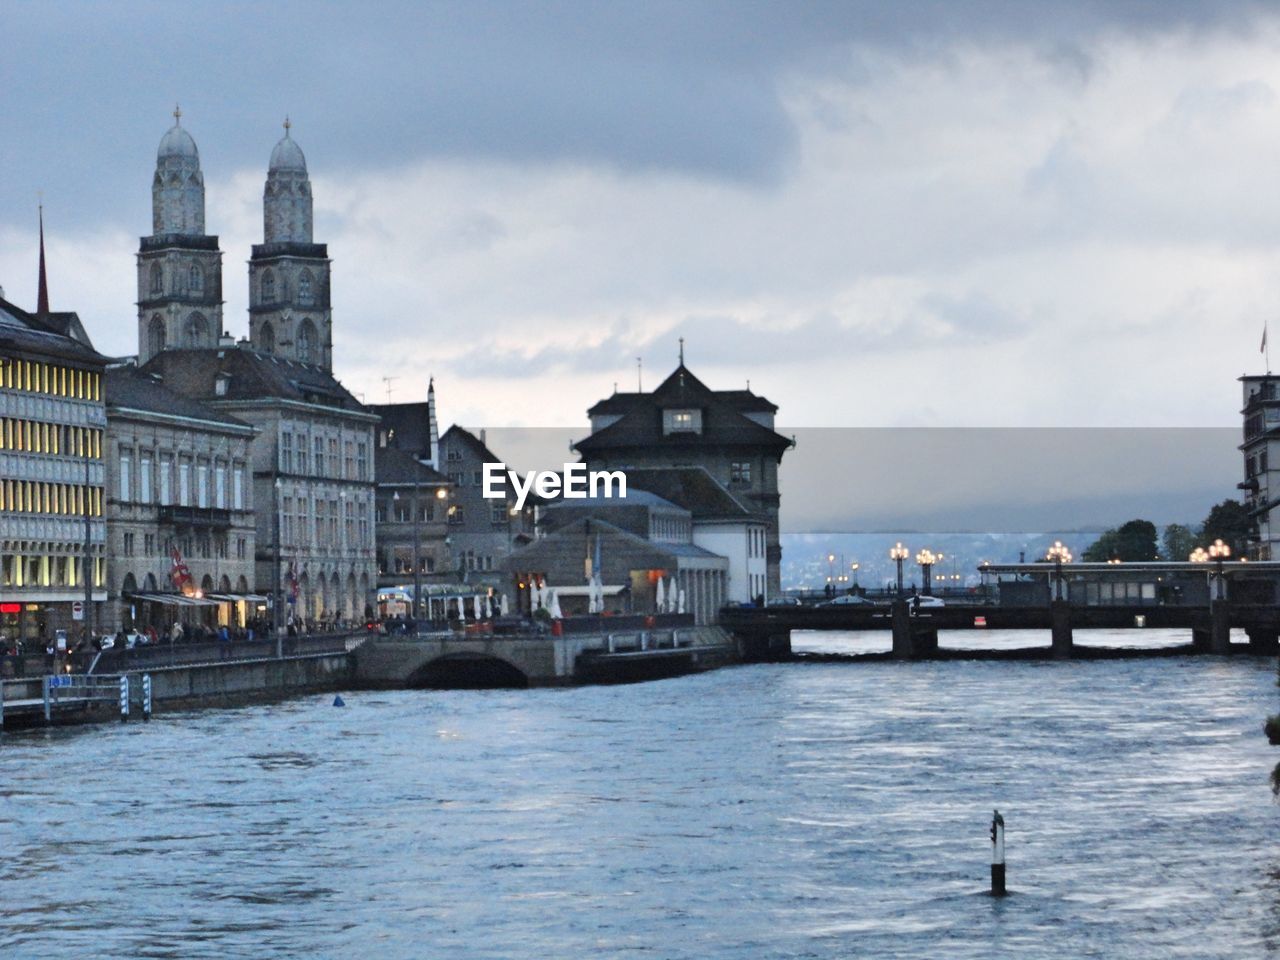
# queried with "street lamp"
point(1199, 555)
point(1218, 553)
point(853, 571)
point(1058, 555)
point(927, 558)
point(898, 553)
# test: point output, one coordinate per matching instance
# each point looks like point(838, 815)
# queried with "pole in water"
point(338, 701)
point(997, 855)
point(146, 698)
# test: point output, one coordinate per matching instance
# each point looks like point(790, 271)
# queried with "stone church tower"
point(179, 266)
point(289, 312)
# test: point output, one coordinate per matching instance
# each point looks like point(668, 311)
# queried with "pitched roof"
point(640, 425)
point(409, 421)
point(391, 465)
point(251, 375)
point(692, 488)
point(54, 336)
point(127, 387)
point(583, 527)
point(466, 436)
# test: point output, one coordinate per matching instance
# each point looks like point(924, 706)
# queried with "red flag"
point(180, 575)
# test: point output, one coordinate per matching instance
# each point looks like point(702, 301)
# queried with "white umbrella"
point(488, 607)
point(673, 595)
point(680, 605)
point(554, 608)
point(462, 611)
point(504, 605)
point(660, 601)
point(476, 608)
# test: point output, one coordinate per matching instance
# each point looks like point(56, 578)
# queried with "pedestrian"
point(175, 634)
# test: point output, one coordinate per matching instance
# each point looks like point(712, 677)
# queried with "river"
point(801, 810)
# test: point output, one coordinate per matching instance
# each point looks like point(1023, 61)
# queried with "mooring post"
point(997, 855)
point(124, 698)
point(146, 697)
point(44, 691)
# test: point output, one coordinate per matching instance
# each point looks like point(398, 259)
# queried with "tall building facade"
point(178, 479)
point(179, 265)
point(289, 312)
point(52, 531)
point(683, 423)
point(311, 456)
point(1261, 454)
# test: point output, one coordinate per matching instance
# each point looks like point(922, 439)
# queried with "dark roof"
point(400, 466)
point(585, 527)
point(744, 401)
point(55, 335)
point(466, 436)
point(409, 421)
point(692, 488)
point(635, 498)
point(640, 419)
point(128, 387)
point(251, 375)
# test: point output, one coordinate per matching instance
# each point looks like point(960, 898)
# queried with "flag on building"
point(179, 575)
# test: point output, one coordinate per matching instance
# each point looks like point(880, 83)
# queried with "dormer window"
point(220, 383)
point(682, 421)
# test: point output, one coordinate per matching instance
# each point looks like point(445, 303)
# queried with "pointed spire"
point(682, 351)
point(42, 296)
point(433, 429)
point(287, 125)
point(177, 115)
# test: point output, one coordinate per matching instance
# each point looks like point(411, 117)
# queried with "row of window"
point(203, 546)
point(306, 288)
point(755, 542)
point(317, 522)
point(57, 499)
point(36, 376)
point(42, 570)
point(194, 285)
point(353, 465)
point(218, 485)
point(38, 436)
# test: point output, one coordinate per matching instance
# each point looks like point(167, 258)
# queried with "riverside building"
point(52, 529)
point(311, 455)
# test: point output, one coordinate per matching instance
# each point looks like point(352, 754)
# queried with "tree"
point(1178, 542)
point(1133, 542)
point(1229, 522)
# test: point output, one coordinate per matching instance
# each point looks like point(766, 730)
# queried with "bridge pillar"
point(900, 622)
point(1220, 627)
point(1264, 642)
point(1060, 628)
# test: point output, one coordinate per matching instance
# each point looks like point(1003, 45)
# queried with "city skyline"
point(857, 201)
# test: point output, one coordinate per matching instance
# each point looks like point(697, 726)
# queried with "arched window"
point(305, 297)
point(157, 279)
point(268, 287)
point(306, 341)
point(197, 330)
point(267, 337)
point(197, 280)
point(155, 335)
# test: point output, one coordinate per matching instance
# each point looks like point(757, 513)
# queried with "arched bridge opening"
point(468, 672)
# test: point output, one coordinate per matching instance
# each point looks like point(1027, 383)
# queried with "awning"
point(173, 599)
point(236, 597)
point(606, 590)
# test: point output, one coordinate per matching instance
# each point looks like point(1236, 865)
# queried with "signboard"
point(77, 609)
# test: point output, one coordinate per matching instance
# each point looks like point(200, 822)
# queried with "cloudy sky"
point(931, 214)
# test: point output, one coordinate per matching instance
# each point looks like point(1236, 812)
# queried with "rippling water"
point(804, 810)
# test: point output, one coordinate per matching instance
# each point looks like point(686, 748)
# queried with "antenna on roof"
point(682, 351)
point(639, 381)
point(387, 381)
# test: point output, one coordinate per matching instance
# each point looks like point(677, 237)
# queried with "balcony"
point(206, 518)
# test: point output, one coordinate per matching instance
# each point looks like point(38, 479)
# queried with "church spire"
point(42, 295)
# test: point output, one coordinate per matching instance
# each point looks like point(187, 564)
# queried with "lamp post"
point(853, 572)
point(275, 568)
point(926, 558)
point(1218, 553)
point(898, 553)
point(1059, 555)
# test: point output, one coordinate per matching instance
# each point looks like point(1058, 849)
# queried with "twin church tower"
point(180, 266)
